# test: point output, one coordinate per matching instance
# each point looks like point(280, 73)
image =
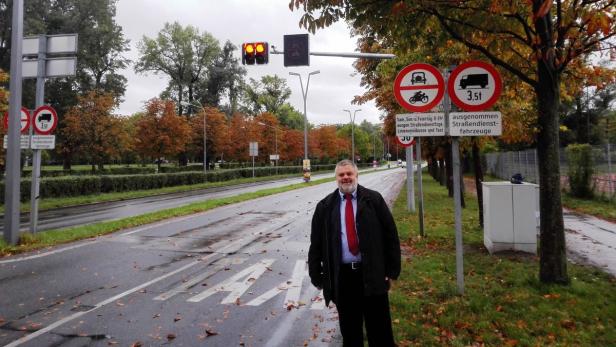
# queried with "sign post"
point(253, 148)
point(45, 118)
point(408, 142)
point(473, 86)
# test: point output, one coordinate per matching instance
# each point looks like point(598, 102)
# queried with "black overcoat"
point(378, 243)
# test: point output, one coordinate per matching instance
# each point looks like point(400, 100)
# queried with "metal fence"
point(506, 164)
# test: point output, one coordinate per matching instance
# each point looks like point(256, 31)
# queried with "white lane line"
point(40, 255)
point(97, 240)
point(234, 285)
point(219, 265)
point(50, 327)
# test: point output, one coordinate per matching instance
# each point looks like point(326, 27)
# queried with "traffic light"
point(255, 52)
point(248, 53)
point(262, 52)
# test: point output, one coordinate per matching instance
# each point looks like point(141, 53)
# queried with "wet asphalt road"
point(226, 277)
point(87, 214)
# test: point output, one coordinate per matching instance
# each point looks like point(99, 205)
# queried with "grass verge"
point(598, 207)
point(49, 203)
point(504, 303)
point(29, 242)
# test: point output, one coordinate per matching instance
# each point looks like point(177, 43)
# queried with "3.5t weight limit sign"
point(45, 120)
point(474, 86)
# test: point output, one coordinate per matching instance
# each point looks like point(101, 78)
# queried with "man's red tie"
point(349, 218)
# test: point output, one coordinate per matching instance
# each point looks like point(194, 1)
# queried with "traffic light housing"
point(255, 52)
point(262, 52)
point(248, 53)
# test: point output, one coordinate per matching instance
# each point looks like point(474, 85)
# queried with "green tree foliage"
point(268, 95)
point(580, 169)
point(184, 55)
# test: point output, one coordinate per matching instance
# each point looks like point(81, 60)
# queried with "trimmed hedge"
point(53, 187)
point(88, 172)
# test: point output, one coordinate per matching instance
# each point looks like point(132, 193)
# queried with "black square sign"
point(296, 50)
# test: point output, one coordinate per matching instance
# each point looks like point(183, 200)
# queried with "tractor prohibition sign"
point(419, 87)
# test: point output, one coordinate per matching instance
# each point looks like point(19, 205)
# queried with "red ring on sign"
point(412, 143)
point(53, 114)
point(28, 118)
point(498, 86)
point(439, 81)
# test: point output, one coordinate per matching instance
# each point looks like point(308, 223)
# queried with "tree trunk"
point(66, 161)
point(449, 169)
point(442, 172)
point(553, 260)
point(478, 179)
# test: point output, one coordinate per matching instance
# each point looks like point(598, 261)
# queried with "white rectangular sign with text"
point(420, 124)
point(475, 124)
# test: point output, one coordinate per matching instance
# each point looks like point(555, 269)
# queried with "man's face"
point(346, 177)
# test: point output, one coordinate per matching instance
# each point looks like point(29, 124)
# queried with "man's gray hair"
point(345, 162)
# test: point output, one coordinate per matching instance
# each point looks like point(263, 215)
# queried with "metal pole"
point(455, 149)
point(410, 185)
point(36, 163)
point(253, 166)
point(204, 141)
point(458, 215)
point(13, 174)
point(276, 149)
point(420, 187)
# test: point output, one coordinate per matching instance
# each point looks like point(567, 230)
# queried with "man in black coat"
point(354, 254)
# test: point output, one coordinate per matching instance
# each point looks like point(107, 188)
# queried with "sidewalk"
point(590, 240)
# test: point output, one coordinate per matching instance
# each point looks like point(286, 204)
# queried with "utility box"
point(510, 216)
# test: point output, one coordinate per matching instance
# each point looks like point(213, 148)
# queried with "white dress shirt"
point(347, 256)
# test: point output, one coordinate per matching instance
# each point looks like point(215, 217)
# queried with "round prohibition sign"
point(419, 87)
point(405, 141)
point(474, 85)
point(45, 120)
point(25, 120)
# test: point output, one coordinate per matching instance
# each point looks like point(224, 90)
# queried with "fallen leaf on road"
point(156, 315)
point(112, 343)
point(210, 332)
point(119, 304)
point(136, 344)
point(170, 337)
point(177, 318)
point(237, 301)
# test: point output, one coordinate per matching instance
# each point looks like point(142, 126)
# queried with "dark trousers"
point(354, 308)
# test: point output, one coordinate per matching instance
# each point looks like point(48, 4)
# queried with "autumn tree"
point(217, 133)
point(294, 146)
point(537, 41)
point(160, 132)
point(92, 131)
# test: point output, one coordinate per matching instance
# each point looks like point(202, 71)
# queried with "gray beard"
point(347, 189)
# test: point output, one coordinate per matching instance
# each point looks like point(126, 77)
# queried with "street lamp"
point(185, 103)
point(275, 142)
point(305, 95)
point(352, 132)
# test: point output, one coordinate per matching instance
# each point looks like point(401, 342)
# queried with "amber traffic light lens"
point(260, 48)
point(249, 48)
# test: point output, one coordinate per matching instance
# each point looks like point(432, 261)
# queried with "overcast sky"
point(240, 21)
